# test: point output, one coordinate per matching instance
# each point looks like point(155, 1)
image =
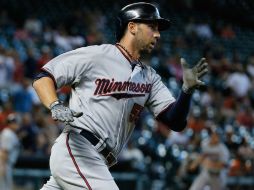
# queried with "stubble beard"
point(145, 48)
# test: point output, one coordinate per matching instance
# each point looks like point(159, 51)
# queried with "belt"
point(108, 155)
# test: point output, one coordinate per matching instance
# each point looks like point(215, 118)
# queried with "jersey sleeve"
point(160, 97)
point(69, 68)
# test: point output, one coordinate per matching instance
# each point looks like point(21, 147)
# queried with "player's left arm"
point(175, 115)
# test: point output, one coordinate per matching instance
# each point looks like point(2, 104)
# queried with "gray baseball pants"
point(215, 182)
point(75, 164)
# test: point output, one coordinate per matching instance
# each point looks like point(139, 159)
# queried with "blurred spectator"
point(6, 110)
point(46, 56)
point(94, 31)
point(227, 32)
point(178, 42)
point(77, 41)
point(206, 98)
point(190, 27)
point(49, 127)
point(42, 146)
point(245, 117)
point(18, 73)
point(5, 20)
point(236, 166)
point(179, 138)
point(189, 168)
point(45, 135)
point(231, 139)
point(242, 164)
point(245, 150)
point(22, 97)
point(48, 35)
point(174, 67)
point(239, 82)
point(134, 155)
point(196, 120)
point(61, 39)
point(30, 64)
point(33, 25)
point(94, 37)
point(203, 30)
point(250, 65)
point(6, 69)
point(9, 151)
point(191, 34)
point(28, 133)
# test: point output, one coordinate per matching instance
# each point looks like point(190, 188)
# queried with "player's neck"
point(129, 49)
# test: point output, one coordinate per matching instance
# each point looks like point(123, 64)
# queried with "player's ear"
point(132, 27)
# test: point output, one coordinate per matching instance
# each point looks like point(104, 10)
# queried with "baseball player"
point(110, 87)
point(214, 158)
point(9, 151)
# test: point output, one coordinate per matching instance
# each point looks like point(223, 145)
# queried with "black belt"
point(105, 151)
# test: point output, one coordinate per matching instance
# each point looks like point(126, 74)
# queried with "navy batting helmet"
point(139, 12)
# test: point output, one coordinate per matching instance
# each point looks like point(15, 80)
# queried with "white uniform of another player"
point(10, 144)
point(213, 177)
point(111, 95)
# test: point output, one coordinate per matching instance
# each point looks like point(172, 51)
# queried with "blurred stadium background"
point(33, 32)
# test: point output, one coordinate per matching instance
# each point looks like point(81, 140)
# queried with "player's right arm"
point(46, 90)
point(45, 87)
point(65, 69)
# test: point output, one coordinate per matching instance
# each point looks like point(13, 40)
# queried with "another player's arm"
point(196, 163)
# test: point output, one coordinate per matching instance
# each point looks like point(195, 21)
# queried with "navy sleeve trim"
point(45, 73)
point(175, 115)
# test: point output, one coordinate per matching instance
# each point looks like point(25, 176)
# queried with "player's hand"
point(192, 76)
point(62, 113)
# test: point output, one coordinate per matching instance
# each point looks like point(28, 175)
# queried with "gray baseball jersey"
point(108, 92)
point(217, 152)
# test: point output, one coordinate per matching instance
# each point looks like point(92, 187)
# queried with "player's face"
point(214, 139)
point(147, 36)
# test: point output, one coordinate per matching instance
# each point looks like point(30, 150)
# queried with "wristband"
point(187, 90)
point(54, 103)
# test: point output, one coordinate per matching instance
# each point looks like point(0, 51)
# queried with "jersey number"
point(135, 112)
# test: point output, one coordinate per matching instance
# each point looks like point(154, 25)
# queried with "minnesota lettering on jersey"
point(106, 87)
